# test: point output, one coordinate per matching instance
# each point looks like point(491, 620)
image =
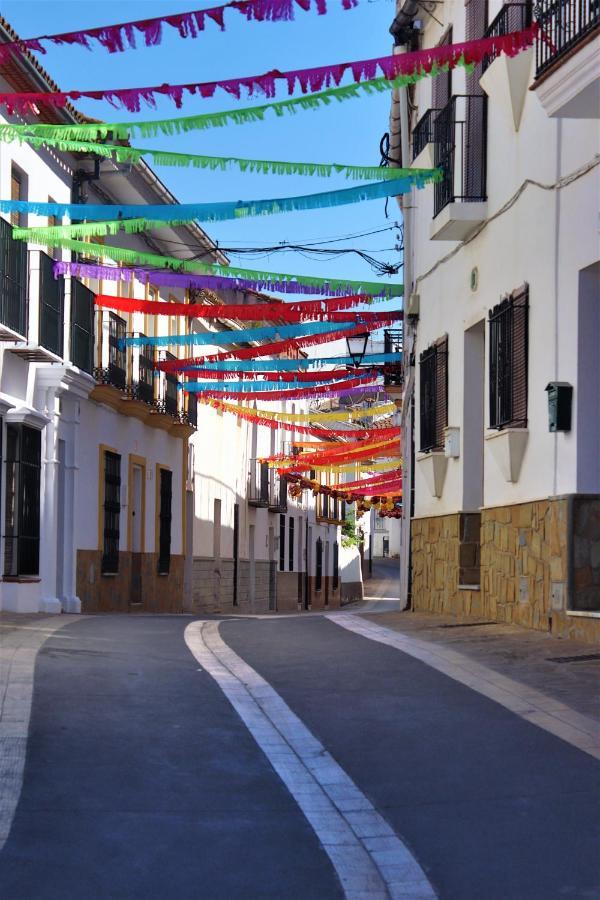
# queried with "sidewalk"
point(564, 669)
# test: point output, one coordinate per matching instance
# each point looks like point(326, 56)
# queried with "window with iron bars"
point(164, 543)
point(22, 501)
point(509, 339)
point(434, 395)
point(112, 512)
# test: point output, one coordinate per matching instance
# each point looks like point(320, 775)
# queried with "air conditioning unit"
point(412, 309)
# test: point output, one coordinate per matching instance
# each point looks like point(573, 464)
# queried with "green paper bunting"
point(220, 163)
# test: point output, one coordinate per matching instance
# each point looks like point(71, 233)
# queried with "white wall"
point(544, 239)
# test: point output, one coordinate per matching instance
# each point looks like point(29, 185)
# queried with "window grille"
point(291, 528)
point(22, 506)
point(112, 512)
point(82, 326)
point(434, 395)
point(509, 338)
point(164, 543)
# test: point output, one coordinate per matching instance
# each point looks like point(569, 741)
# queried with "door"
point(137, 524)
point(236, 550)
point(251, 566)
point(326, 573)
point(301, 564)
point(307, 589)
point(272, 571)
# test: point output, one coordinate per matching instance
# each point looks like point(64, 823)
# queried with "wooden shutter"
point(441, 89)
point(519, 361)
point(441, 391)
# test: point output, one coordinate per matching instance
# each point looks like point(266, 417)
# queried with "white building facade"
point(502, 386)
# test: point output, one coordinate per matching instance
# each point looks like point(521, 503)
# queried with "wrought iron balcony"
point(277, 493)
point(258, 483)
point(13, 282)
point(512, 17)
point(51, 306)
point(423, 132)
point(461, 151)
point(82, 326)
point(563, 24)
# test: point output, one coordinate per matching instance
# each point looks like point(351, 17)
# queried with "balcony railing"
point(563, 24)
point(423, 133)
point(258, 483)
point(51, 307)
point(171, 392)
point(115, 373)
point(277, 492)
point(141, 385)
point(512, 17)
point(13, 280)
point(192, 409)
point(460, 151)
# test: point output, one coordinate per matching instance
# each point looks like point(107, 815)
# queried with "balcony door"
point(136, 513)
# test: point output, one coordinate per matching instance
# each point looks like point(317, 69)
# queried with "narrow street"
point(172, 757)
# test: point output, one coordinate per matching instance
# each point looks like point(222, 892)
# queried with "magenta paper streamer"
point(123, 36)
point(421, 62)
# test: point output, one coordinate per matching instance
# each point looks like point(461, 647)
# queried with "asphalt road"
point(141, 780)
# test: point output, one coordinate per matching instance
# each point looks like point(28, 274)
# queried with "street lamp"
point(357, 346)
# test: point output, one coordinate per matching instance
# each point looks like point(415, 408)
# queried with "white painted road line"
point(533, 706)
point(18, 651)
point(370, 859)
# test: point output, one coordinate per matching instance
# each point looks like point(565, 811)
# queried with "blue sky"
point(345, 133)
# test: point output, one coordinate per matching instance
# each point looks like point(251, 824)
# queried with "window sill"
point(109, 574)
point(583, 613)
point(469, 587)
point(22, 579)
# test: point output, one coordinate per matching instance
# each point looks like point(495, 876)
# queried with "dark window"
point(434, 395)
point(171, 389)
point(82, 326)
point(22, 510)
point(291, 527)
point(164, 515)
point(112, 512)
point(51, 305)
point(508, 361)
point(336, 565)
point(319, 565)
point(117, 360)
point(13, 280)
point(281, 543)
point(17, 192)
point(144, 390)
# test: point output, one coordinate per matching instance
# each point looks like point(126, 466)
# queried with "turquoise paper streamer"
point(238, 337)
point(289, 365)
point(207, 212)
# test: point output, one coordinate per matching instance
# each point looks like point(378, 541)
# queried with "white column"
point(49, 602)
point(70, 601)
